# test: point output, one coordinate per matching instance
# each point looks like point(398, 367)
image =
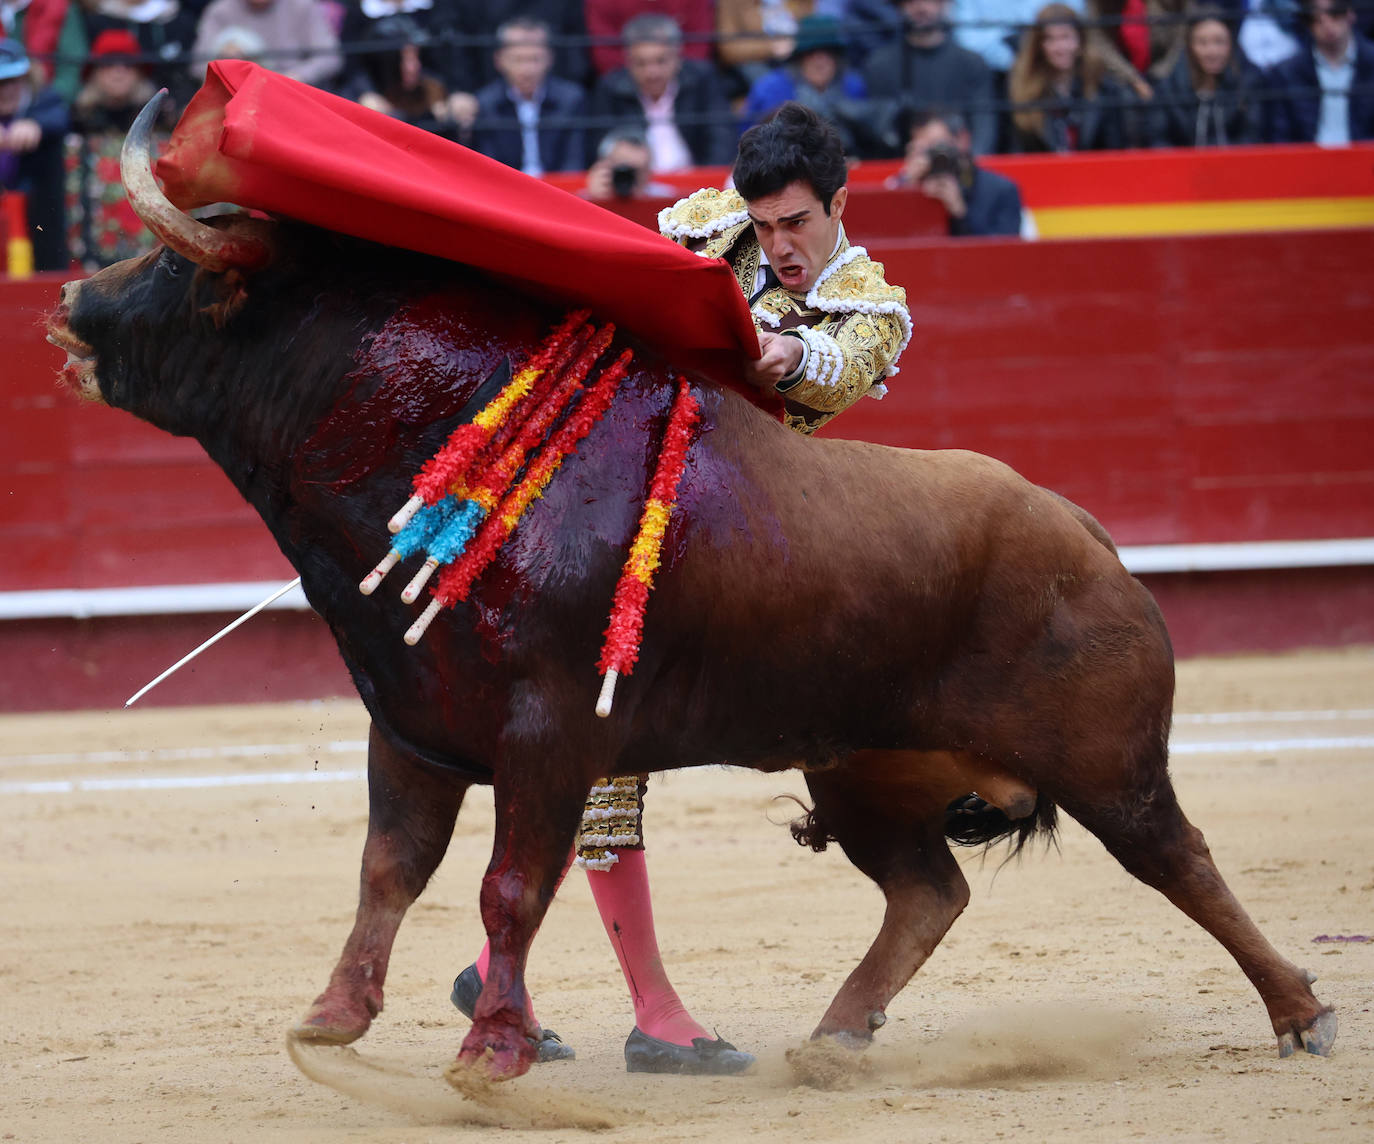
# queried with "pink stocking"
point(622, 896)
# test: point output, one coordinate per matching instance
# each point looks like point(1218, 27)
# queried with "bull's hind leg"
point(890, 826)
point(411, 812)
point(1151, 838)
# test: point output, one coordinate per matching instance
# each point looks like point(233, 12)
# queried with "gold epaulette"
point(707, 221)
point(854, 284)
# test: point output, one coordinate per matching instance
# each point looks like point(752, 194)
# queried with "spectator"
point(33, 121)
point(926, 68)
point(1209, 97)
point(103, 228)
point(817, 77)
point(395, 79)
point(235, 43)
point(435, 20)
point(529, 118)
point(1325, 93)
point(1062, 98)
point(939, 164)
point(165, 30)
point(677, 103)
point(477, 21)
point(755, 36)
point(992, 28)
point(868, 24)
point(116, 86)
point(54, 36)
point(606, 20)
point(621, 170)
point(299, 40)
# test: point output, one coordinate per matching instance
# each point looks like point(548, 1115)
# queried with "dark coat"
point(993, 207)
point(562, 131)
point(701, 111)
point(1293, 97)
point(1180, 118)
point(946, 76)
point(1100, 121)
point(40, 176)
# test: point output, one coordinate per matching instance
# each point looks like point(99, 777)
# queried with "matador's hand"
point(781, 356)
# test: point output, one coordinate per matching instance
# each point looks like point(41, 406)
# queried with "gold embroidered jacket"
point(854, 324)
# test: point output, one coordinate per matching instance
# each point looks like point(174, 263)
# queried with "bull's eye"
point(169, 263)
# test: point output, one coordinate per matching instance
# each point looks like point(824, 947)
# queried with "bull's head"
point(224, 252)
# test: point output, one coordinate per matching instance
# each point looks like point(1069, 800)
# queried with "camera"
point(623, 180)
point(944, 159)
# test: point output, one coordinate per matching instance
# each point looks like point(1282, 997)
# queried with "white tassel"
point(378, 574)
point(402, 518)
point(418, 628)
point(607, 696)
point(412, 591)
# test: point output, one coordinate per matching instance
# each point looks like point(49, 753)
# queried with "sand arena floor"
point(174, 895)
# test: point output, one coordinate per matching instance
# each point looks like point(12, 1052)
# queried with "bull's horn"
point(204, 245)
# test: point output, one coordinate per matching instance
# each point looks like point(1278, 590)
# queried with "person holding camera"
point(621, 170)
point(940, 166)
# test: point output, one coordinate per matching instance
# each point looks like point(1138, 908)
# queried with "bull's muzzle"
point(78, 374)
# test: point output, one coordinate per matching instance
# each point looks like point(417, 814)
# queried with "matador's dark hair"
point(792, 145)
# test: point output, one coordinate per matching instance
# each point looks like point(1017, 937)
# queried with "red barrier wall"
point(1184, 390)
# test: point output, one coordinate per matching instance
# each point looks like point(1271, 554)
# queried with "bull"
point(904, 626)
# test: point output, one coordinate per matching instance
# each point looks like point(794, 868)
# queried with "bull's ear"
point(231, 292)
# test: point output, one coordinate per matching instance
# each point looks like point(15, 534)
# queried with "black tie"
point(769, 281)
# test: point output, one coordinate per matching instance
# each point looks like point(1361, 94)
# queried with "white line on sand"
point(278, 778)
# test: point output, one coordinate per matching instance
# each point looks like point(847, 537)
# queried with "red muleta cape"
point(270, 143)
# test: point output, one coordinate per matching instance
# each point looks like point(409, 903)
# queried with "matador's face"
point(796, 233)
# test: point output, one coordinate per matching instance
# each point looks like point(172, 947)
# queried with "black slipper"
point(704, 1057)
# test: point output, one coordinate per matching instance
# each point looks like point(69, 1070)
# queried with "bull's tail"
point(970, 821)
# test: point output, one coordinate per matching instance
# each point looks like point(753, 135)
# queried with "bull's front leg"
point(411, 811)
point(539, 798)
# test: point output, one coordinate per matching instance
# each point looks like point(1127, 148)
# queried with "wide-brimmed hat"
point(818, 34)
point(14, 61)
point(114, 46)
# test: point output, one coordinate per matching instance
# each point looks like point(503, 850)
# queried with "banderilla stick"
point(214, 639)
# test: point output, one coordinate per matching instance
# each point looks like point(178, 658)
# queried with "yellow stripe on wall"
point(1203, 218)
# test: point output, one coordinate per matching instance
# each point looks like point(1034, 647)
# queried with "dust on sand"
point(160, 939)
point(1003, 1049)
point(477, 1099)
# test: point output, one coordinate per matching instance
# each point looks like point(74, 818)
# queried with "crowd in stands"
point(631, 89)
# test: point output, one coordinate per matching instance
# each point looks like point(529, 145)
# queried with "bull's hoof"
point(830, 1061)
point(703, 1057)
point(333, 1023)
point(1316, 1039)
point(498, 1057)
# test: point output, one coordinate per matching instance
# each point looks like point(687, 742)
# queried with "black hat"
point(818, 34)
